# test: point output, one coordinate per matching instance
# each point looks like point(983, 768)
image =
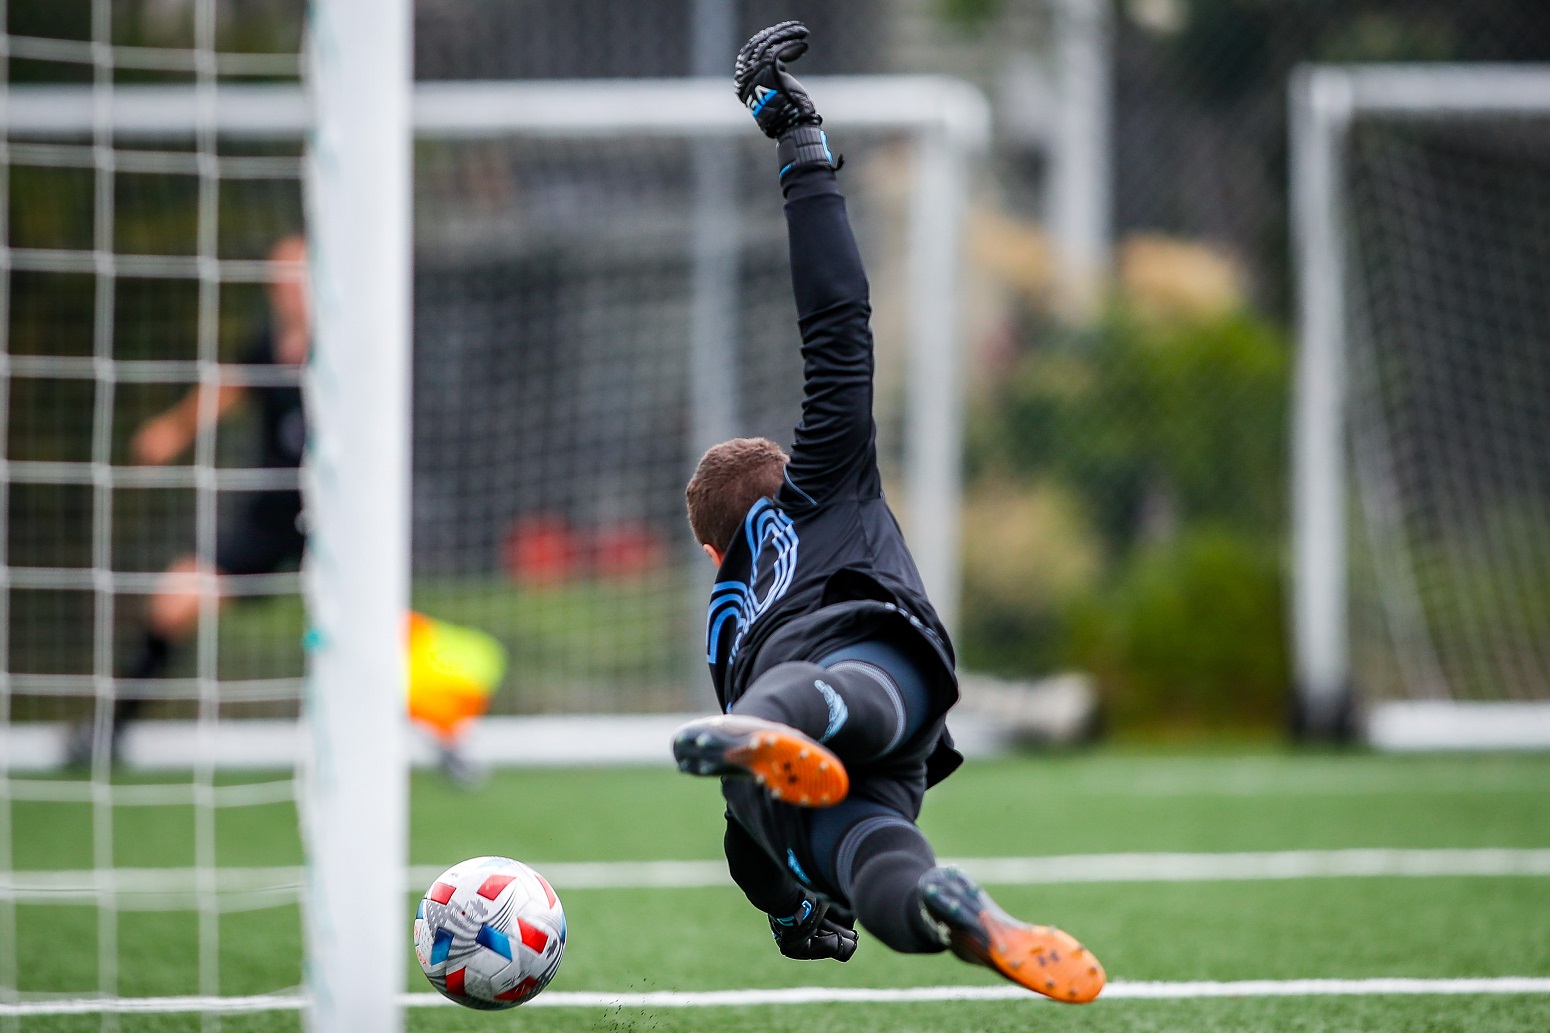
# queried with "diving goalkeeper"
point(833, 670)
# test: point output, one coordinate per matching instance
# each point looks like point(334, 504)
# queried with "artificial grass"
point(1374, 1014)
point(699, 939)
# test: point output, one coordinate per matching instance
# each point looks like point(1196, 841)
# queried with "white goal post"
point(1445, 685)
point(354, 791)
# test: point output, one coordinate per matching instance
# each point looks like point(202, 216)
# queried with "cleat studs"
point(803, 754)
point(702, 740)
point(823, 765)
point(775, 793)
point(1049, 984)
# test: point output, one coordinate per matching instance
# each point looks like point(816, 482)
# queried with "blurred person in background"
point(268, 533)
point(453, 670)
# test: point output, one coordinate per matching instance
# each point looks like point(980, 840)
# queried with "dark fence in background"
point(1125, 510)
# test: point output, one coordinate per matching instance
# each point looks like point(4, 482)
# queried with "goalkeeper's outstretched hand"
point(812, 935)
point(778, 101)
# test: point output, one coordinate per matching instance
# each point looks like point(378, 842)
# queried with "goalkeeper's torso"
point(800, 584)
point(804, 579)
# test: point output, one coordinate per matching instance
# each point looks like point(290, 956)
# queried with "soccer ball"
point(490, 933)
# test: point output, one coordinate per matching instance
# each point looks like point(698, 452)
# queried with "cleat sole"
point(1061, 967)
point(1040, 958)
point(791, 767)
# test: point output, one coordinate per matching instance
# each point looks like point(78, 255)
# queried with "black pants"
point(869, 703)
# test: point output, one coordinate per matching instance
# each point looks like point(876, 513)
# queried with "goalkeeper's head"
point(729, 479)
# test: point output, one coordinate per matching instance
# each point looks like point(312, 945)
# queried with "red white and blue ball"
point(490, 933)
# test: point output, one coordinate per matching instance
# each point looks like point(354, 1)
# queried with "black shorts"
point(806, 841)
point(266, 536)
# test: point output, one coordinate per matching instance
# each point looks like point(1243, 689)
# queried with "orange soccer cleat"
point(792, 767)
point(1039, 957)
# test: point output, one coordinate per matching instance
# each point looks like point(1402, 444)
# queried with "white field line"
point(1118, 991)
point(170, 887)
point(1033, 871)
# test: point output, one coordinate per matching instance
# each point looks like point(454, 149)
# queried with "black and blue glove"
point(779, 103)
point(815, 932)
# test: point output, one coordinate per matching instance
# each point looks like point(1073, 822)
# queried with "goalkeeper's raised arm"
point(834, 443)
point(833, 670)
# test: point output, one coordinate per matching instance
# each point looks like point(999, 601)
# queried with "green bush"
point(1027, 554)
point(1192, 634)
point(1147, 458)
point(1193, 412)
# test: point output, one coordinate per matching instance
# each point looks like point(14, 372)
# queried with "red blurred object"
point(625, 550)
point(542, 550)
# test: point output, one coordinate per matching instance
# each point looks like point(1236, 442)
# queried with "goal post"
point(354, 798)
point(948, 124)
point(1421, 567)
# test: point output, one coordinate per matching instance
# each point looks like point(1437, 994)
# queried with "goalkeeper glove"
point(779, 103)
point(811, 934)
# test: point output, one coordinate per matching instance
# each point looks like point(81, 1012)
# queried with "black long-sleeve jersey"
point(824, 564)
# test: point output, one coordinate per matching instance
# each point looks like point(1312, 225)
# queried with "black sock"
point(879, 864)
point(151, 661)
point(855, 710)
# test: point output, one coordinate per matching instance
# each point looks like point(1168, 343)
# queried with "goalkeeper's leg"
point(863, 701)
point(882, 863)
point(800, 725)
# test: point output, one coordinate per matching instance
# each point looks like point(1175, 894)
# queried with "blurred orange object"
point(453, 672)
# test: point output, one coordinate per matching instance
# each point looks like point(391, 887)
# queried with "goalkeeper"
point(833, 669)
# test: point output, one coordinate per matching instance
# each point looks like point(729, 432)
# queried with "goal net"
point(598, 301)
point(596, 298)
point(1422, 484)
point(153, 274)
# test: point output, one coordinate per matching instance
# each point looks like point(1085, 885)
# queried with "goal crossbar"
point(662, 107)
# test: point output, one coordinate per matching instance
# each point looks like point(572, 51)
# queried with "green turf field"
point(698, 939)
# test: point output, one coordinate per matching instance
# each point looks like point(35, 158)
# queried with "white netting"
point(133, 271)
point(592, 307)
point(556, 408)
point(1447, 226)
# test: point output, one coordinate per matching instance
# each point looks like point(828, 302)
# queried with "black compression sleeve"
point(807, 180)
point(766, 884)
point(834, 443)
